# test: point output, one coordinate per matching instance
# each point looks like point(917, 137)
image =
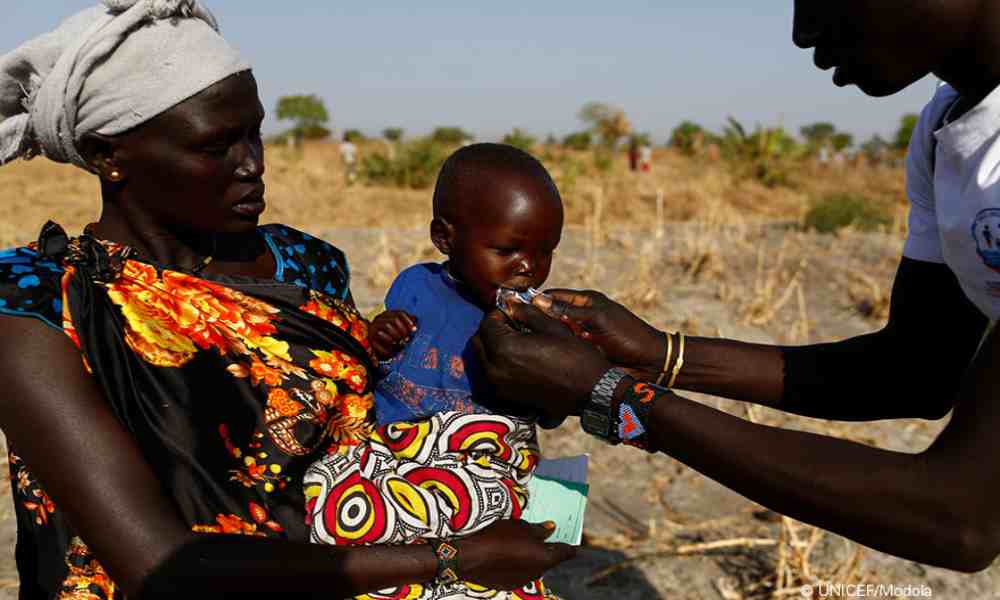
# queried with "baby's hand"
point(390, 332)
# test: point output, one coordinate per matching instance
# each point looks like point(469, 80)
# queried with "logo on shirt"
point(986, 232)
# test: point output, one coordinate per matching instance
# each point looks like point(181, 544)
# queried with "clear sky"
point(492, 66)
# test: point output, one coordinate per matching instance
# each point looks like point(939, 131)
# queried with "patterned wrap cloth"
point(231, 386)
point(448, 476)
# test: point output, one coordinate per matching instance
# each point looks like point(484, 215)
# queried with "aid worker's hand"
point(626, 340)
point(546, 369)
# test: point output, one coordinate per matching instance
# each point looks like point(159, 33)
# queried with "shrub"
point(415, 165)
point(519, 139)
point(570, 169)
point(640, 139)
point(450, 135)
point(836, 211)
point(354, 135)
point(766, 154)
point(604, 160)
point(608, 122)
point(906, 126)
point(393, 134)
point(580, 140)
point(689, 138)
point(308, 114)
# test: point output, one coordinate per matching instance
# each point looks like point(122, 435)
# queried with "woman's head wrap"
point(107, 70)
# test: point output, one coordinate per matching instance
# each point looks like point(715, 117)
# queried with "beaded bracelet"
point(632, 414)
point(447, 557)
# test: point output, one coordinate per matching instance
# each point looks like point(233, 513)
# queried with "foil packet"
point(507, 296)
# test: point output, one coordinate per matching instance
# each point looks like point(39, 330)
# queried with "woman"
point(940, 506)
point(171, 372)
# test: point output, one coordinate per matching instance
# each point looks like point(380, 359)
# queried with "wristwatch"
point(596, 418)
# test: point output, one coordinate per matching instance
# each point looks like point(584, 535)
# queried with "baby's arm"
point(390, 332)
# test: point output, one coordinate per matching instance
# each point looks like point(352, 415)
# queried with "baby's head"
point(498, 217)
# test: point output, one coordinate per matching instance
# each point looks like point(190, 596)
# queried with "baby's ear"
point(442, 234)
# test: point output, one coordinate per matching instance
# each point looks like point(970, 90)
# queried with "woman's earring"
point(115, 175)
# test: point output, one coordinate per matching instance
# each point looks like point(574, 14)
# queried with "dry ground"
point(725, 258)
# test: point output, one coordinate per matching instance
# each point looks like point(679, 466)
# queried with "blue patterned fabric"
point(31, 285)
point(438, 370)
point(308, 261)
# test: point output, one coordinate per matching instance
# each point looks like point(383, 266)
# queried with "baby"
point(445, 459)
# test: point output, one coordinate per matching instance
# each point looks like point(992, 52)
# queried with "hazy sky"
point(491, 66)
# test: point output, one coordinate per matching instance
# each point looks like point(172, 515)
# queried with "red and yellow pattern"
point(341, 314)
point(170, 315)
point(448, 476)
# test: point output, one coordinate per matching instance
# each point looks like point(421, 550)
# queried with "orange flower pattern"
point(169, 316)
point(259, 526)
point(341, 314)
point(28, 492)
point(264, 379)
point(86, 578)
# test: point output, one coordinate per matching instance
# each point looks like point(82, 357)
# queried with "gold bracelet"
point(666, 359)
point(678, 364)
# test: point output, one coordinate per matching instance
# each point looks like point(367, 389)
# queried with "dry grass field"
point(689, 246)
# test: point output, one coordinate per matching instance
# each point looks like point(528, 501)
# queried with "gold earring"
point(115, 175)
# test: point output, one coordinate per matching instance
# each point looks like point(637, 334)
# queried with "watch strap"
point(598, 418)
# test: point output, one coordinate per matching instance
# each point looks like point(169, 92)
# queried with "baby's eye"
point(504, 251)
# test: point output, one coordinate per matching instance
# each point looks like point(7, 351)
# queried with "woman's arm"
point(940, 507)
point(56, 418)
point(910, 368)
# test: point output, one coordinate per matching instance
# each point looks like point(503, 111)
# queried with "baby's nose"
point(525, 265)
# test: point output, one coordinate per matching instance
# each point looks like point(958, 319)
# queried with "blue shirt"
point(438, 370)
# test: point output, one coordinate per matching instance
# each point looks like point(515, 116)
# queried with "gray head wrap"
point(107, 70)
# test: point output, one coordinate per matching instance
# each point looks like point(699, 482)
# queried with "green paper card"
point(558, 492)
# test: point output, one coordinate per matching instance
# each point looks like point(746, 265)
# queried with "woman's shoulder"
point(306, 260)
point(31, 285)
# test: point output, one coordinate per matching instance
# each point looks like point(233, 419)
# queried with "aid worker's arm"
point(940, 507)
point(912, 367)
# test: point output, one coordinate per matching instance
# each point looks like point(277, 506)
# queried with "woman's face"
point(883, 46)
point(199, 166)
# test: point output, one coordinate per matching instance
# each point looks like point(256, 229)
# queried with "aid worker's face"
point(883, 46)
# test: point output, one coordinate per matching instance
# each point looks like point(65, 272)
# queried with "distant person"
point(498, 218)
point(349, 156)
point(633, 156)
point(645, 158)
point(170, 372)
point(823, 156)
point(940, 506)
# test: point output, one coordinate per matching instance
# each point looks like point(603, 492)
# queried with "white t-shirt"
point(953, 183)
point(348, 152)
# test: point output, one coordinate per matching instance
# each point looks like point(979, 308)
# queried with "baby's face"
point(508, 241)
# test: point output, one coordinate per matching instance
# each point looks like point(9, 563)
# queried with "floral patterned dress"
point(231, 386)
